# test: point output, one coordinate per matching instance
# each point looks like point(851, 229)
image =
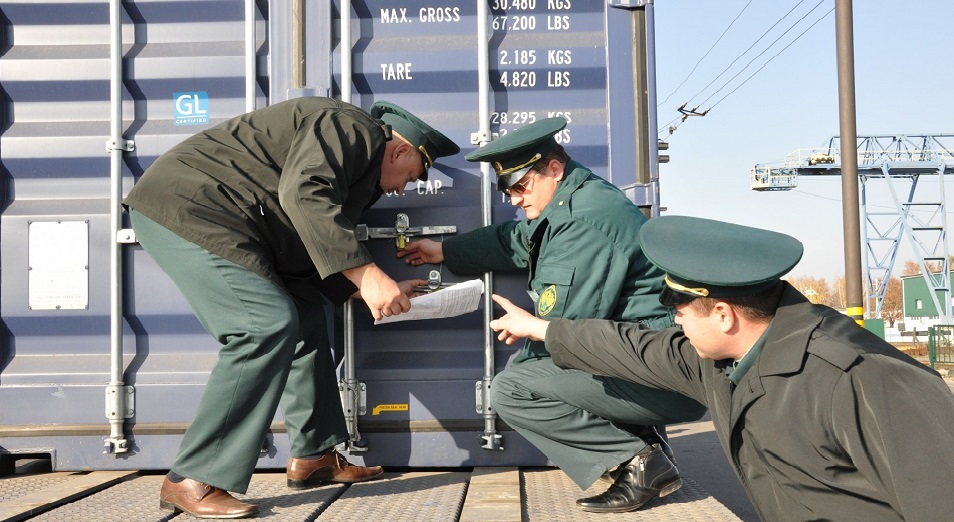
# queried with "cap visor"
point(670, 297)
point(508, 180)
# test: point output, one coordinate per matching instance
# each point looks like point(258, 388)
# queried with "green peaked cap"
point(708, 258)
point(426, 139)
point(514, 153)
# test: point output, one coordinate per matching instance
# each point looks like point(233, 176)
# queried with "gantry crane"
point(900, 160)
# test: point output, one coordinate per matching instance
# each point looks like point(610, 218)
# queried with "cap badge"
point(427, 157)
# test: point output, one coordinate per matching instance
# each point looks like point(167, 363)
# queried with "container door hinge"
point(482, 138)
point(126, 236)
point(123, 145)
point(355, 402)
point(492, 439)
point(120, 405)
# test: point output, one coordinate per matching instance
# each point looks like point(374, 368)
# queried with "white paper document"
point(452, 301)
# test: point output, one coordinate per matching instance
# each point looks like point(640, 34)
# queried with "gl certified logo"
point(191, 108)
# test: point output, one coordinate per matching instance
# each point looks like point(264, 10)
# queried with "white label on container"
point(58, 265)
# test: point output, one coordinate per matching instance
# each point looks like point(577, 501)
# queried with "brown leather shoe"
point(202, 500)
point(331, 467)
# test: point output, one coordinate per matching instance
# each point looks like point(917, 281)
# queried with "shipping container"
point(102, 361)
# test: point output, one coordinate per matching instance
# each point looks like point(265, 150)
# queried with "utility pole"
point(844, 36)
point(646, 146)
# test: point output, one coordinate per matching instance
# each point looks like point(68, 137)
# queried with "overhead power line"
point(737, 58)
point(822, 17)
point(672, 125)
point(709, 51)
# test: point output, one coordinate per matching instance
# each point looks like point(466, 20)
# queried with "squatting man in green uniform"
point(820, 419)
point(579, 243)
point(254, 221)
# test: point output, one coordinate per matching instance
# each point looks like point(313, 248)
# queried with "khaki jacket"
point(278, 190)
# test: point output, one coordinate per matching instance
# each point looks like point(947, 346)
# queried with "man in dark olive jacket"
point(821, 419)
point(254, 221)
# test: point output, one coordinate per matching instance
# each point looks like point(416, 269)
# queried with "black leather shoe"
point(612, 474)
point(651, 436)
point(649, 475)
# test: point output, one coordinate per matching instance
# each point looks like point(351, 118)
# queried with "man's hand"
point(383, 296)
point(408, 287)
point(422, 251)
point(517, 323)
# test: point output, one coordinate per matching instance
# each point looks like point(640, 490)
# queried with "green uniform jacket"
point(830, 423)
point(583, 253)
point(278, 190)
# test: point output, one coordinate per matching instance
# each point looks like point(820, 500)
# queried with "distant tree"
point(815, 289)
point(839, 293)
point(911, 268)
point(892, 308)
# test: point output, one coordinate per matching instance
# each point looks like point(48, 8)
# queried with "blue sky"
point(903, 83)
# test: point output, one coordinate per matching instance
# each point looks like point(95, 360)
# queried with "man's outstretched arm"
point(660, 359)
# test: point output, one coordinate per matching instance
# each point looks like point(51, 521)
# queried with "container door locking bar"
point(353, 392)
point(401, 232)
point(433, 283)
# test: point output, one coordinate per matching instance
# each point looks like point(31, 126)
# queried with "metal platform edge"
point(485, 494)
point(79, 485)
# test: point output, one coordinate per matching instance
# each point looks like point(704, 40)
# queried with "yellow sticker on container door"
point(388, 407)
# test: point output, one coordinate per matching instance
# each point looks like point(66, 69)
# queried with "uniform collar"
point(574, 175)
point(736, 370)
point(795, 320)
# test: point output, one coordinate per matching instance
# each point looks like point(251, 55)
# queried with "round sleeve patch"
point(547, 301)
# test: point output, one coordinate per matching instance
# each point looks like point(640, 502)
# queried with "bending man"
point(254, 221)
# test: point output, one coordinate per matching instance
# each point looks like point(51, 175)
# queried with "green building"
point(917, 300)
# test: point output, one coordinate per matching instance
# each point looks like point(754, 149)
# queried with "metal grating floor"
point(16, 487)
point(409, 496)
point(133, 500)
point(486, 494)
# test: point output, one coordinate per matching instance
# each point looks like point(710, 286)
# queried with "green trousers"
point(579, 421)
point(273, 350)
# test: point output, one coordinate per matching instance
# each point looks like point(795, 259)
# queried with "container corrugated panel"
point(547, 57)
point(55, 76)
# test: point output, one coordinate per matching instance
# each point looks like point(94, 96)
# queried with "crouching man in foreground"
point(820, 419)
